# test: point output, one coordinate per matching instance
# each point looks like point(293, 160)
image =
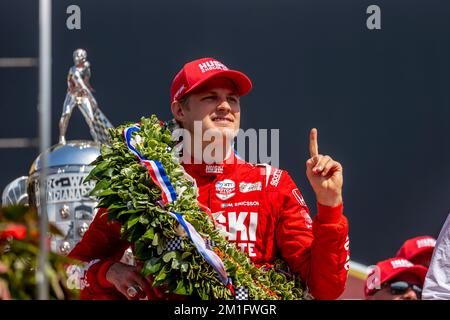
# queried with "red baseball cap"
point(417, 250)
point(197, 72)
point(398, 269)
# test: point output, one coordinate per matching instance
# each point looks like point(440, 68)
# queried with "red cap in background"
point(397, 269)
point(418, 250)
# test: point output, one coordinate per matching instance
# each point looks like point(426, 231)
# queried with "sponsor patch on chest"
point(225, 189)
point(245, 187)
point(240, 203)
point(239, 227)
point(210, 168)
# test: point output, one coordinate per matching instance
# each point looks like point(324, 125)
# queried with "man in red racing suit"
point(258, 206)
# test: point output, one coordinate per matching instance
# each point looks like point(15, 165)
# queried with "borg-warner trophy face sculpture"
point(68, 203)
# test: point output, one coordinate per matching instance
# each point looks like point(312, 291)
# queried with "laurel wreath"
point(125, 188)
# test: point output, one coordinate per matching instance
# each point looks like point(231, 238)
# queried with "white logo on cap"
point(211, 65)
point(178, 92)
point(427, 242)
point(401, 263)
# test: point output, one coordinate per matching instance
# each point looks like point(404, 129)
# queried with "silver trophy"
point(15, 192)
point(79, 94)
point(69, 206)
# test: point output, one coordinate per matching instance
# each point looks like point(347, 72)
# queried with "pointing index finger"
point(313, 146)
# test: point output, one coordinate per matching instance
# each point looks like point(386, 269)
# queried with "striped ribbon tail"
point(209, 255)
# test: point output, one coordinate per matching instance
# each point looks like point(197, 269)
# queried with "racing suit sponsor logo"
point(347, 263)
point(210, 168)
point(308, 220)
point(347, 248)
point(246, 203)
point(298, 196)
point(245, 187)
point(242, 203)
point(240, 228)
point(347, 244)
point(225, 189)
point(276, 177)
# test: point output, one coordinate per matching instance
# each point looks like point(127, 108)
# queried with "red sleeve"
point(315, 250)
point(100, 247)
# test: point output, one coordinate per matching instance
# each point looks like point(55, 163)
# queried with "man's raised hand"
point(324, 174)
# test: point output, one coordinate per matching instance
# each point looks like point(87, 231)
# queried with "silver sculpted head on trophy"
point(79, 56)
point(68, 163)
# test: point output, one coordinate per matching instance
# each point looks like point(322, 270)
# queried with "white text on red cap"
point(427, 242)
point(401, 263)
point(179, 92)
point(211, 65)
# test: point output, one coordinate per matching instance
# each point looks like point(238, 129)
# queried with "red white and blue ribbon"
point(155, 168)
point(209, 255)
point(160, 178)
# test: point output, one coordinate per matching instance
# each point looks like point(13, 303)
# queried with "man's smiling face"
point(216, 105)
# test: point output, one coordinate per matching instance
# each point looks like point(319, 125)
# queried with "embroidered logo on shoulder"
point(347, 244)
point(245, 187)
point(225, 189)
point(210, 168)
point(308, 220)
point(298, 196)
point(276, 177)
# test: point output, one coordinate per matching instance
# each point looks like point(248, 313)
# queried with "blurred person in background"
point(418, 250)
point(437, 281)
point(395, 279)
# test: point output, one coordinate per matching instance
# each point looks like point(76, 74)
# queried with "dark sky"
point(380, 99)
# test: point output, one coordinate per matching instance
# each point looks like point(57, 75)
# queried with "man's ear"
point(177, 111)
